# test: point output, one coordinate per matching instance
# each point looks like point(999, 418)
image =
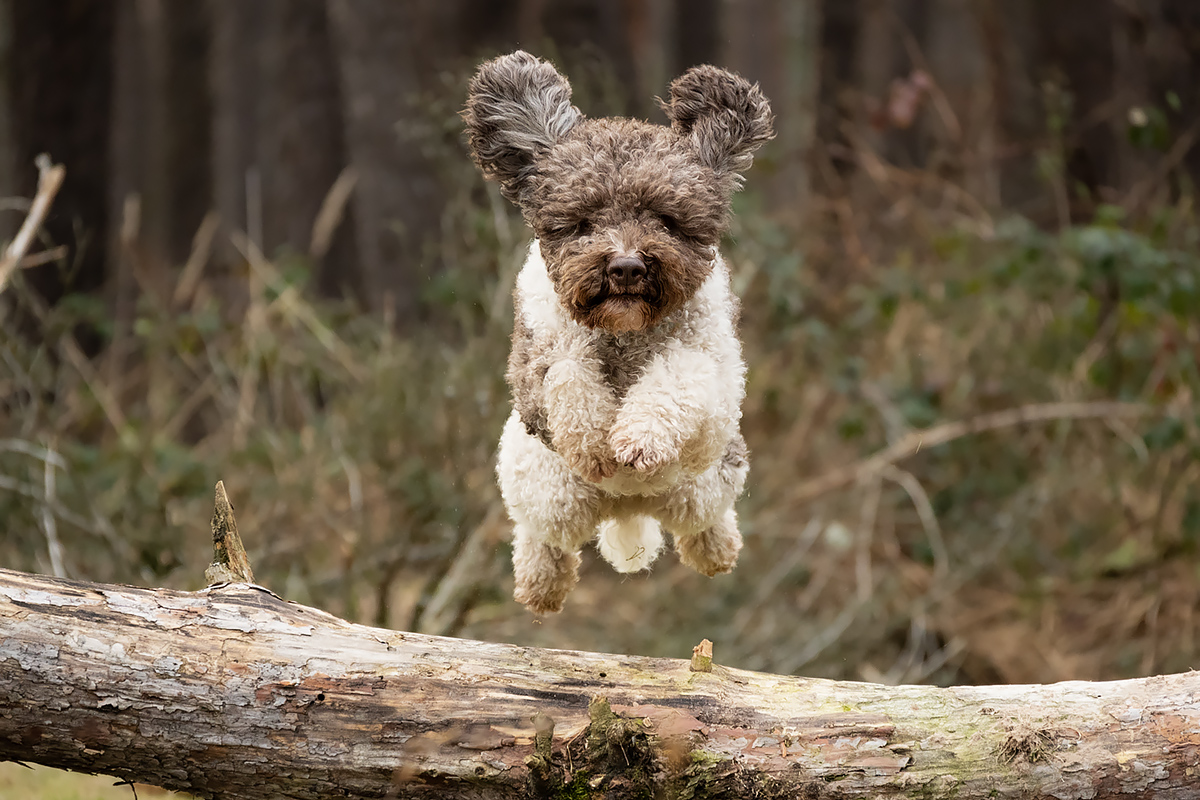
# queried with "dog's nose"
point(626, 271)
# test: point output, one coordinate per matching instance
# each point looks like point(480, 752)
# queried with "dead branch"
point(914, 441)
point(50, 178)
point(230, 563)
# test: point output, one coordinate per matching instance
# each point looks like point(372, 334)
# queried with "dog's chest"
point(623, 358)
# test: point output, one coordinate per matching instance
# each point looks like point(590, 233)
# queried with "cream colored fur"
point(667, 452)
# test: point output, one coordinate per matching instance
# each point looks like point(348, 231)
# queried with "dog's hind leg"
point(555, 513)
point(700, 515)
point(713, 550)
point(545, 574)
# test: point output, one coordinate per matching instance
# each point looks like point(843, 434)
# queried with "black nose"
point(626, 271)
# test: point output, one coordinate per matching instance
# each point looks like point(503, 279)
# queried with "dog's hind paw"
point(713, 551)
point(544, 575)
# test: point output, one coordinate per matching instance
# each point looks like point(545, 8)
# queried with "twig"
point(49, 524)
point(1179, 150)
point(199, 396)
point(893, 418)
point(864, 582)
point(44, 257)
point(185, 287)
point(33, 493)
point(816, 643)
point(941, 102)
point(933, 531)
point(230, 564)
point(73, 354)
point(451, 595)
point(333, 209)
point(33, 451)
point(50, 178)
point(948, 432)
point(253, 327)
point(288, 298)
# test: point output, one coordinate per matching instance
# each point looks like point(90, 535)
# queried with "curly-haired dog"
point(626, 370)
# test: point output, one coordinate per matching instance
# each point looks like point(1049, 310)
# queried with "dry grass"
point(965, 467)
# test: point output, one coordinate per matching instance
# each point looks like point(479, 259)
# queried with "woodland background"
point(272, 263)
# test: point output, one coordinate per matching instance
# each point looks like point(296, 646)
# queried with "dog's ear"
point(517, 108)
point(726, 117)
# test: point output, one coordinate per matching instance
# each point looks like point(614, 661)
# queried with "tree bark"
point(231, 692)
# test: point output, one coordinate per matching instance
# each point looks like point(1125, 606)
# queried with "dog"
point(626, 370)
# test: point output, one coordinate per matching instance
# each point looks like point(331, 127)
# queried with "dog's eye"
point(581, 228)
point(671, 224)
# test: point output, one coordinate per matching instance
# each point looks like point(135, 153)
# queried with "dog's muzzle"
point(625, 272)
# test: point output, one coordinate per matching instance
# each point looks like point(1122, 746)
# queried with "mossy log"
point(232, 692)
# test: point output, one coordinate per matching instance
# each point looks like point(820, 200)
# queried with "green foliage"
point(360, 460)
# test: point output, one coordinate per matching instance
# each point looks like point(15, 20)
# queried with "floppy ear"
point(517, 108)
point(726, 117)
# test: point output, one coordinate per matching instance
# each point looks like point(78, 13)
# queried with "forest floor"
point(18, 782)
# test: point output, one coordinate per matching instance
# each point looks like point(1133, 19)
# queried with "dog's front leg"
point(580, 409)
point(667, 405)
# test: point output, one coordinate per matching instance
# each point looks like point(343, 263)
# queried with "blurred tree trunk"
point(160, 144)
point(776, 43)
point(1157, 68)
point(279, 133)
point(236, 86)
point(127, 162)
point(698, 26)
point(386, 58)
point(652, 49)
point(964, 133)
point(799, 30)
point(9, 223)
point(1177, 46)
point(188, 100)
point(59, 85)
point(302, 147)
point(1074, 50)
point(1019, 110)
point(838, 101)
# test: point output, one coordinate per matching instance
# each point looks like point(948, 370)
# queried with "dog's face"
point(628, 213)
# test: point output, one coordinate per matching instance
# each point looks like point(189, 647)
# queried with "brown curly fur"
point(625, 367)
point(593, 189)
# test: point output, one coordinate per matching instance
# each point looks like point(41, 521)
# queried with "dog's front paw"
point(593, 467)
point(643, 448)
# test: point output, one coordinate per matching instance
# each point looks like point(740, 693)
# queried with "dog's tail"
point(630, 544)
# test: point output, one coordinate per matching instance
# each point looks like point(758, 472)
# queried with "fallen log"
point(232, 692)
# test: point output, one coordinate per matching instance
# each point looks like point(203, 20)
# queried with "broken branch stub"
point(230, 563)
point(702, 656)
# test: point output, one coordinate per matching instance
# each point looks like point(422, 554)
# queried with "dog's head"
point(628, 214)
